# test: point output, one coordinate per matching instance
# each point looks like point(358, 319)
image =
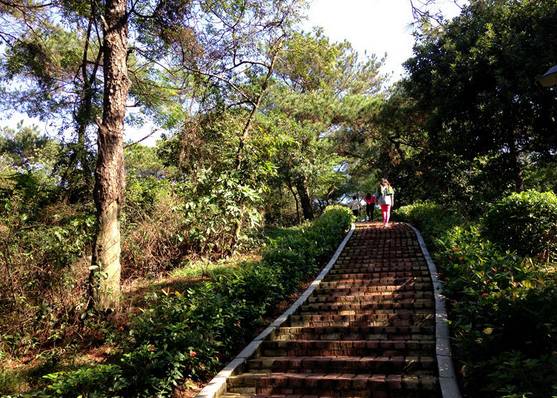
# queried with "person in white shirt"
point(355, 206)
point(386, 200)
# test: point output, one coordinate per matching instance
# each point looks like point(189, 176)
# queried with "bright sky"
point(372, 26)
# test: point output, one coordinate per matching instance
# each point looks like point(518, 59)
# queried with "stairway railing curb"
point(447, 376)
point(217, 386)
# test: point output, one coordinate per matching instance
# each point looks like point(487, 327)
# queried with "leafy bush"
point(220, 211)
point(429, 217)
point(502, 308)
point(153, 241)
point(43, 287)
point(142, 195)
point(525, 222)
point(191, 334)
point(502, 311)
point(87, 380)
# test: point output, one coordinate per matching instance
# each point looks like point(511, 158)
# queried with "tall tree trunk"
point(109, 172)
point(305, 200)
point(291, 188)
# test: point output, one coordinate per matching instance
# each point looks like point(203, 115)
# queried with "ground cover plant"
point(502, 305)
point(190, 334)
point(261, 124)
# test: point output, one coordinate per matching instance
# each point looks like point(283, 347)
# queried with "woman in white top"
point(355, 206)
point(386, 200)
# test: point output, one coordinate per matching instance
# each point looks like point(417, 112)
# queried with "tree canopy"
point(262, 124)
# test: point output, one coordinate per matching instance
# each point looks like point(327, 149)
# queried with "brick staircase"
point(368, 330)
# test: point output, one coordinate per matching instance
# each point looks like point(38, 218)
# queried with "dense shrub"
point(209, 215)
point(42, 288)
point(525, 222)
point(153, 241)
point(191, 334)
point(429, 217)
point(502, 308)
point(221, 212)
point(503, 313)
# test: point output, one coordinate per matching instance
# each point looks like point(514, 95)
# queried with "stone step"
point(371, 281)
point(338, 385)
point(368, 297)
point(383, 256)
point(394, 246)
point(384, 287)
point(355, 307)
point(347, 348)
point(400, 318)
point(361, 323)
point(253, 395)
point(378, 274)
point(346, 364)
point(378, 314)
point(411, 257)
point(378, 260)
point(240, 395)
point(374, 269)
point(353, 333)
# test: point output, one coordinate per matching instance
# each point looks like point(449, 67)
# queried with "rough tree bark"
point(291, 188)
point(109, 172)
point(305, 199)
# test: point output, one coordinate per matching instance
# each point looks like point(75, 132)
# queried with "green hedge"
point(502, 308)
point(192, 334)
point(525, 222)
point(429, 217)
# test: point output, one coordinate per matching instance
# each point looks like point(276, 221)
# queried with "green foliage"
point(85, 380)
point(42, 251)
point(191, 334)
point(43, 245)
point(512, 373)
point(334, 66)
point(525, 222)
point(142, 195)
point(44, 57)
point(11, 381)
point(210, 213)
point(27, 162)
point(218, 208)
point(470, 124)
point(502, 308)
point(430, 218)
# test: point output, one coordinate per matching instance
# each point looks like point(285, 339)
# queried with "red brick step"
point(347, 348)
point(367, 331)
point(343, 364)
point(338, 384)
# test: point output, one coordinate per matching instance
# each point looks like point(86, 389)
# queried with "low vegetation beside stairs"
point(191, 334)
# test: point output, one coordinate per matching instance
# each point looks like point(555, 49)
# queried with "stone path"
point(367, 331)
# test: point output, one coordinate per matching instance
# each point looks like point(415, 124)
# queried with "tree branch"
point(142, 139)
